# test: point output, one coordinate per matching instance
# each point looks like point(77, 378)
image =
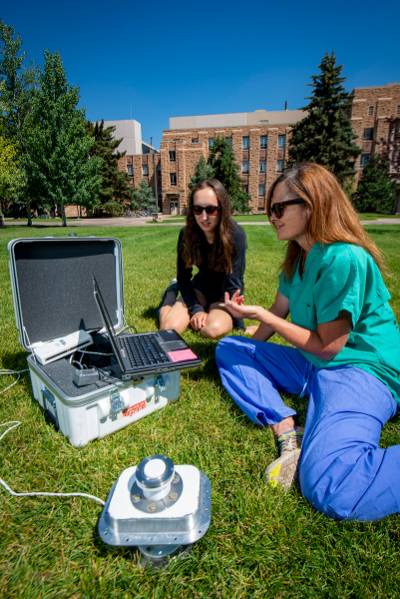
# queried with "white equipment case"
point(51, 280)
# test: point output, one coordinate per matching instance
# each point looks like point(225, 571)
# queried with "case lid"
point(52, 285)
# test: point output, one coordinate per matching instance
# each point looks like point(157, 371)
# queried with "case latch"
point(117, 405)
point(50, 406)
point(159, 386)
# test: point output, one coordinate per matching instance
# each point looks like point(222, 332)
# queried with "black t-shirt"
point(211, 283)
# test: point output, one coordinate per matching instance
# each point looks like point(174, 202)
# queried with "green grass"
point(261, 543)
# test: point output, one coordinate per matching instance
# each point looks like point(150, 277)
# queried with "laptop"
point(145, 353)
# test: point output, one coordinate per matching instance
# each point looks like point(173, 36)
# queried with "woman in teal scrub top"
point(345, 356)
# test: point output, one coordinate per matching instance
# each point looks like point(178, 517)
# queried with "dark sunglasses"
point(279, 207)
point(210, 210)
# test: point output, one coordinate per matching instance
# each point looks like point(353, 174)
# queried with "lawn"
point(261, 542)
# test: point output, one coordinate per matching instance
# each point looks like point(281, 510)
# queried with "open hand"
point(235, 306)
point(198, 320)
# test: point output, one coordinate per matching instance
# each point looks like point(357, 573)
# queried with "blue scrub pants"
point(342, 470)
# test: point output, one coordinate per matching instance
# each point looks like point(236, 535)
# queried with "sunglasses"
point(210, 210)
point(279, 208)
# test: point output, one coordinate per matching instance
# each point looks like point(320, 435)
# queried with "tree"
point(11, 176)
point(203, 171)
point(143, 198)
point(325, 135)
point(376, 190)
point(57, 145)
point(222, 161)
point(16, 83)
point(16, 88)
point(114, 183)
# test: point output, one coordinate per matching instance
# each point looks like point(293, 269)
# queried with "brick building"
point(259, 141)
point(375, 118)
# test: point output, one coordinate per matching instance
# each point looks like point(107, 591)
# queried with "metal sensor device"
point(157, 507)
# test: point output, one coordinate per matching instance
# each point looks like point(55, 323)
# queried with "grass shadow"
point(152, 313)
point(15, 361)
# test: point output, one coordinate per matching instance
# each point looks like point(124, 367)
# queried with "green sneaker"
point(282, 471)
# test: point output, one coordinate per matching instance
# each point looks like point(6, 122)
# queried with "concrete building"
point(142, 160)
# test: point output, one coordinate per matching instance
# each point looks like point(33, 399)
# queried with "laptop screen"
point(107, 323)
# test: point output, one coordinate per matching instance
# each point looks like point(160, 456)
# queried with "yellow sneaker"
point(282, 471)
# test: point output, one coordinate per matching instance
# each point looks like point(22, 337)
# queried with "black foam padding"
point(54, 280)
point(62, 372)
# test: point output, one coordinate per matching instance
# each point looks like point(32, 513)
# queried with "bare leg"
point(219, 322)
point(174, 317)
point(287, 424)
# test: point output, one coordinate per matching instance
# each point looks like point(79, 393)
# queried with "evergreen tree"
point(325, 135)
point(114, 183)
point(142, 198)
point(376, 190)
point(57, 145)
point(222, 161)
point(203, 171)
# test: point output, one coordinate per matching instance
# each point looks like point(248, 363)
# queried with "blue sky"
point(152, 60)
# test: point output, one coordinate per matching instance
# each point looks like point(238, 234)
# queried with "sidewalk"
point(143, 221)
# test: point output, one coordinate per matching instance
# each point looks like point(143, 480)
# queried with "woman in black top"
point(214, 243)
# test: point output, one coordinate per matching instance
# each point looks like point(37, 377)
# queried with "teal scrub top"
point(341, 277)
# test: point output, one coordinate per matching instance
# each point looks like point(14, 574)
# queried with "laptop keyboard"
point(143, 350)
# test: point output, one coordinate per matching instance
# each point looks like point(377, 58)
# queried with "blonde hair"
point(332, 218)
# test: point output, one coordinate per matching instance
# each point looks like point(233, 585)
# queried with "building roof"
point(237, 119)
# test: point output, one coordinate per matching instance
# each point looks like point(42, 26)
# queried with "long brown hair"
point(222, 253)
point(333, 217)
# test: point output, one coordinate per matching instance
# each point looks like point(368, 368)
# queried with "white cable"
point(14, 424)
point(6, 371)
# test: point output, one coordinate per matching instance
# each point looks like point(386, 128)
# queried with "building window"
point(364, 159)
point(280, 165)
point(195, 140)
point(228, 140)
point(172, 156)
point(172, 178)
point(263, 141)
point(368, 133)
point(370, 110)
point(145, 170)
point(245, 166)
point(398, 108)
point(281, 140)
point(130, 170)
point(211, 141)
point(261, 190)
point(245, 188)
point(245, 142)
point(263, 166)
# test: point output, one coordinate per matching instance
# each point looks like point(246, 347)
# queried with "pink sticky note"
point(181, 354)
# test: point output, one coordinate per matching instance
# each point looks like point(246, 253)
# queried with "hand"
point(198, 320)
point(237, 309)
